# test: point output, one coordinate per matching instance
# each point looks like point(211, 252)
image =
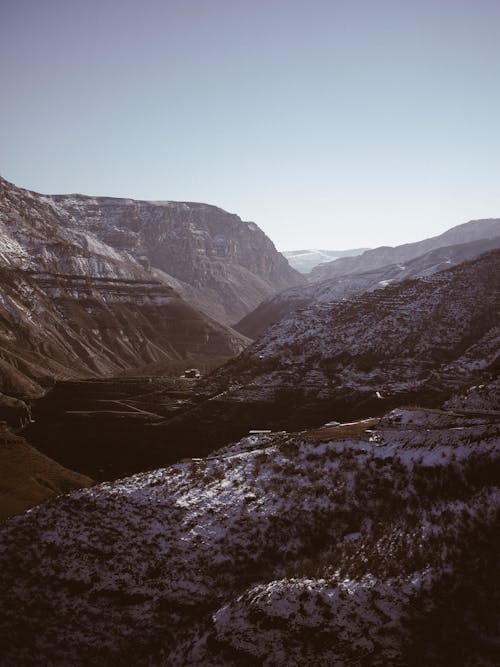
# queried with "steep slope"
point(363, 544)
point(71, 305)
point(378, 257)
point(416, 341)
point(305, 260)
point(28, 478)
point(217, 262)
point(344, 286)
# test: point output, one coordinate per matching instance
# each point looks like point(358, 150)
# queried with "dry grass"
point(28, 477)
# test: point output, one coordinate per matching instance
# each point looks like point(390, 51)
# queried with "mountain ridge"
point(345, 286)
point(377, 257)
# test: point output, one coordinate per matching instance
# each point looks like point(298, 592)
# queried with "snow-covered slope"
point(420, 340)
point(483, 397)
point(344, 286)
point(363, 544)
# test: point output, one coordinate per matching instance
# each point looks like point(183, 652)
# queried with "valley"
point(326, 493)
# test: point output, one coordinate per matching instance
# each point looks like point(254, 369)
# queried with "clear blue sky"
point(330, 124)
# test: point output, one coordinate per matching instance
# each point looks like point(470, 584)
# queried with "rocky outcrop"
point(344, 286)
point(360, 544)
point(217, 262)
point(73, 306)
point(378, 257)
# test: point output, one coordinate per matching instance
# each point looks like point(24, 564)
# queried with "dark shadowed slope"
point(28, 478)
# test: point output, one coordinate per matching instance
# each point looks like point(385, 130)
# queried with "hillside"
point(73, 306)
point(344, 286)
point(28, 478)
point(378, 257)
point(415, 341)
point(364, 544)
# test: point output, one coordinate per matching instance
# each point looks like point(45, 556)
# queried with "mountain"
point(344, 286)
point(378, 257)
point(418, 341)
point(84, 288)
point(305, 260)
point(374, 543)
point(218, 263)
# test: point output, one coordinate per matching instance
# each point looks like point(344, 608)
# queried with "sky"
point(331, 125)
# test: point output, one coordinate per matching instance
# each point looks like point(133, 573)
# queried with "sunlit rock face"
point(216, 261)
point(71, 304)
point(370, 543)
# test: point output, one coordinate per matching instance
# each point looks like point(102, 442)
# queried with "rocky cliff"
point(216, 261)
point(73, 305)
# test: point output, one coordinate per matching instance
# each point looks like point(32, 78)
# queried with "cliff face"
point(72, 305)
point(217, 262)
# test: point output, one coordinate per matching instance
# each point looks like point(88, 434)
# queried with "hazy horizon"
point(331, 125)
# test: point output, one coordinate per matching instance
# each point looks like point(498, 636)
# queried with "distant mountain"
point(373, 543)
point(305, 260)
point(85, 290)
point(344, 286)
point(385, 255)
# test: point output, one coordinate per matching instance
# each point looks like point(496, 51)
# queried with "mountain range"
point(478, 237)
point(419, 341)
point(377, 257)
point(325, 495)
